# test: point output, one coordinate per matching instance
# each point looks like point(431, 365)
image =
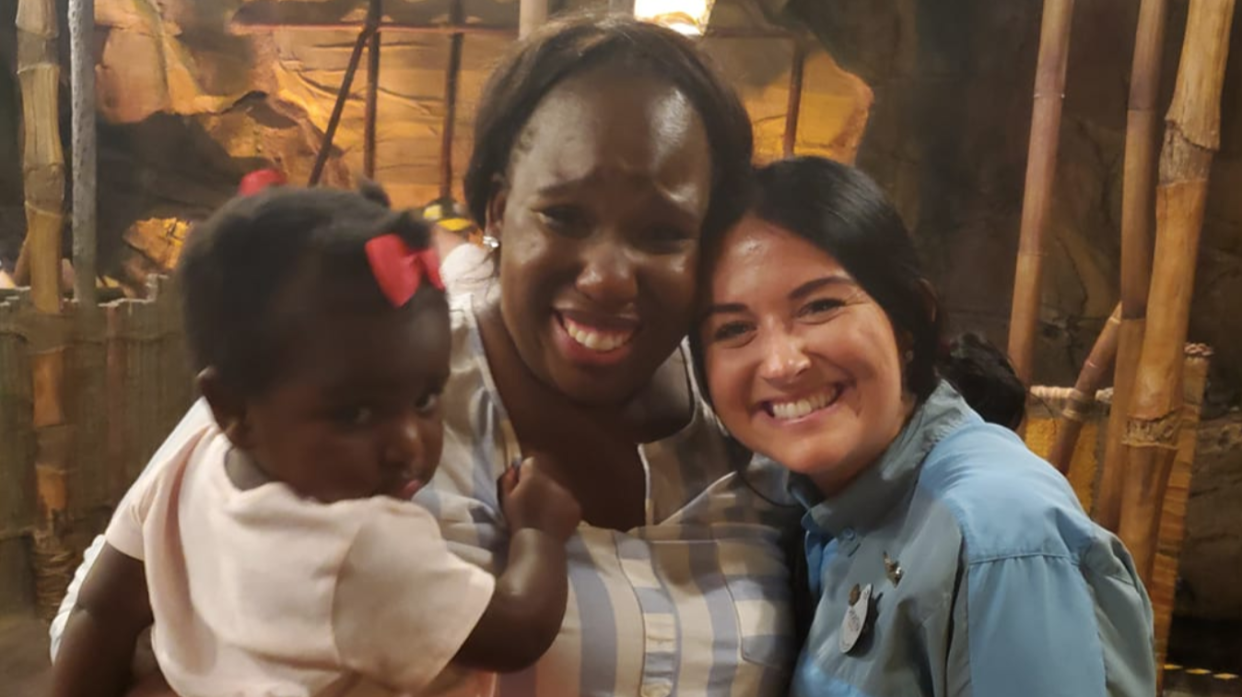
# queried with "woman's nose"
point(608, 275)
point(784, 358)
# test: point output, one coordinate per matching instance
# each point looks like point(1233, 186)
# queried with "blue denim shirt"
point(1006, 587)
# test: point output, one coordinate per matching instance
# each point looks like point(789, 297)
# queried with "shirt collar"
point(884, 484)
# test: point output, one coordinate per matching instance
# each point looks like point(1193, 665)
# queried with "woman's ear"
point(494, 224)
point(227, 406)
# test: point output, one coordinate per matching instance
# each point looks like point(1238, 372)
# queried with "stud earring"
point(908, 356)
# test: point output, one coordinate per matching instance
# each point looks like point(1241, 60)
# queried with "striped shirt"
point(694, 602)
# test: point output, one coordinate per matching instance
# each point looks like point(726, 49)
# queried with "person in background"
point(944, 557)
point(604, 149)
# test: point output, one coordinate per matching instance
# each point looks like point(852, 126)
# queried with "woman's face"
point(802, 364)
point(599, 222)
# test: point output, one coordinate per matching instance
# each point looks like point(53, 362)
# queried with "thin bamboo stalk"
point(532, 14)
point(1137, 212)
point(1082, 397)
point(1173, 516)
point(1041, 165)
point(44, 170)
point(795, 98)
point(334, 121)
point(450, 107)
point(43, 157)
point(1192, 136)
point(372, 106)
point(82, 78)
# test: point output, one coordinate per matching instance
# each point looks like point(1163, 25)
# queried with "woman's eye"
point(730, 331)
point(427, 403)
point(566, 220)
point(820, 307)
point(668, 236)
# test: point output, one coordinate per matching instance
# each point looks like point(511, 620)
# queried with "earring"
point(491, 242)
point(908, 355)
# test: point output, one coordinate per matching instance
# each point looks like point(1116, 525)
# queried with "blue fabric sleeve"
point(1032, 629)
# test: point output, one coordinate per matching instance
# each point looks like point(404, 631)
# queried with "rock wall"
point(187, 106)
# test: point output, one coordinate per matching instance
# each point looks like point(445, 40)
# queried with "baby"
point(277, 551)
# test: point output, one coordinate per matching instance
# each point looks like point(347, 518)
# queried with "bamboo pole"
point(372, 105)
point(450, 106)
point(1082, 397)
point(334, 121)
point(795, 98)
point(532, 14)
point(1163, 587)
point(82, 77)
point(44, 172)
point(1137, 211)
point(1192, 136)
point(43, 156)
point(1041, 165)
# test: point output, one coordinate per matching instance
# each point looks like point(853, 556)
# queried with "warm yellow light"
point(684, 16)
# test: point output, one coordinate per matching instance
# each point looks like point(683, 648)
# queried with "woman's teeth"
point(803, 407)
point(595, 339)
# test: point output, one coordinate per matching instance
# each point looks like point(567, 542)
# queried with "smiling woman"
point(947, 559)
point(604, 151)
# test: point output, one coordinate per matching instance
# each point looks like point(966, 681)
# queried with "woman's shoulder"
point(1006, 500)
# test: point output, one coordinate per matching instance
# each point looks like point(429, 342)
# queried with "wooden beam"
point(795, 98)
point(245, 27)
point(1137, 211)
point(451, 74)
point(1192, 138)
point(1041, 166)
point(532, 14)
point(334, 121)
point(372, 106)
point(82, 80)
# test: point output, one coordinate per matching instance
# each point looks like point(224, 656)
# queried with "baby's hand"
point(531, 498)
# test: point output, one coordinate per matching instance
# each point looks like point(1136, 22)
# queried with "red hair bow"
point(259, 180)
point(400, 270)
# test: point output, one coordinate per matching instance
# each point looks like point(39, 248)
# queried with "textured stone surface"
point(187, 107)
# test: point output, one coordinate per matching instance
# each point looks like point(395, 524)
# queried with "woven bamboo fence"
point(128, 384)
point(1086, 464)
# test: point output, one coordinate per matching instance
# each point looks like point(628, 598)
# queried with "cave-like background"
point(931, 97)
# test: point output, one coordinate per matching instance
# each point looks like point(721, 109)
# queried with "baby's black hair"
point(260, 252)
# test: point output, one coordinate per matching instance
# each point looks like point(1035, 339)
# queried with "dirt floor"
point(23, 657)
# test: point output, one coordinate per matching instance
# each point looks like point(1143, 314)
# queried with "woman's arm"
point(97, 647)
point(1041, 625)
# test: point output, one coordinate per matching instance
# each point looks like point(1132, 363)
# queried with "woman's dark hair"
point(569, 47)
point(256, 253)
point(842, 211)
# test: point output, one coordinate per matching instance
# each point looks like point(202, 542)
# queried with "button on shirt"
point(1006, 587)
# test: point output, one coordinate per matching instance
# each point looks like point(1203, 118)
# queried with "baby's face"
point(356, 413)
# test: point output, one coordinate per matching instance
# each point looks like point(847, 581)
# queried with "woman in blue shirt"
point(945, 557)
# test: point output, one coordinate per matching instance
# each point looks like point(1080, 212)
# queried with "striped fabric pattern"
point(694, 602)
